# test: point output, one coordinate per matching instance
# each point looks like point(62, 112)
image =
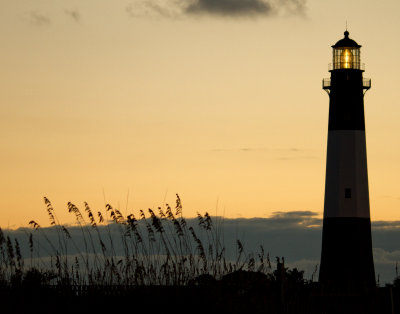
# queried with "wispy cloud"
point(283, 154)
point(284, 158)
point(39, 19)
point(224, 8)
point(165, 8)
point(258, 149)
point(241, 149)
point(74, 15)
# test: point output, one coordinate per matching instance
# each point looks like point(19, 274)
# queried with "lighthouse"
point(346, 256)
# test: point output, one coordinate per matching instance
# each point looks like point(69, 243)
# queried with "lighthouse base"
point(346, 259)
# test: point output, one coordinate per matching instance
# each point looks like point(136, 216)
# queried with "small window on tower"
point(347, 193)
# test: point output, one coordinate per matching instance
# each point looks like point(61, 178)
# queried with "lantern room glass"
point(346, 58)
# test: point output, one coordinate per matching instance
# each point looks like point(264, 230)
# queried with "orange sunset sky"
point(145, 99)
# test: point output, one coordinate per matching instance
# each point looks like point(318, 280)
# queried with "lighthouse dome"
point(346, 42)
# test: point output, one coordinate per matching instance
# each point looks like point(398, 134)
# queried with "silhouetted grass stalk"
point(159, 249)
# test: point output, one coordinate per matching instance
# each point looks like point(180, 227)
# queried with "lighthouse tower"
point(346, 257)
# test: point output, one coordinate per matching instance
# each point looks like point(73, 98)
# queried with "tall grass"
point(157, 247)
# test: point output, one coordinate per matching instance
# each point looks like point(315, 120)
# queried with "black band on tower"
point(346, 106)
point(346, 258)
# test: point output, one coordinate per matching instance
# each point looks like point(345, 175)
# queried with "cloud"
point(165, 8)
point(74, 15)
point(294, 7)
point(39, 19)
point(386, 224)
point(223, 8)
point(297, 157)
point(294, 220)
point(243, 149)
point(258, 149)
point(383, 256)
point(282, 154)
point(229, 7)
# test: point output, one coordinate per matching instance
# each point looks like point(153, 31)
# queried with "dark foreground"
point(206, 298)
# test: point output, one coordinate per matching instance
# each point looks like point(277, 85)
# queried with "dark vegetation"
point(159, 262)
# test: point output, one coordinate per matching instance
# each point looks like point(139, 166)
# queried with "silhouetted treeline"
point(283, 291)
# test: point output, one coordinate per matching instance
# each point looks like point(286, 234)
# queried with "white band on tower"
point(346, 187)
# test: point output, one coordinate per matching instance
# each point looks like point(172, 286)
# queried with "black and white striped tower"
point(346, 257)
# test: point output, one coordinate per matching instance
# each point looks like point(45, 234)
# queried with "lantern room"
point(346, 54)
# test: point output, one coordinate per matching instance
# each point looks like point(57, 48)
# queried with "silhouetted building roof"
point(346, 42)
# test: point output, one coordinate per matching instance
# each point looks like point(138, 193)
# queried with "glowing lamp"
point(346, 59)
point(346, 54)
